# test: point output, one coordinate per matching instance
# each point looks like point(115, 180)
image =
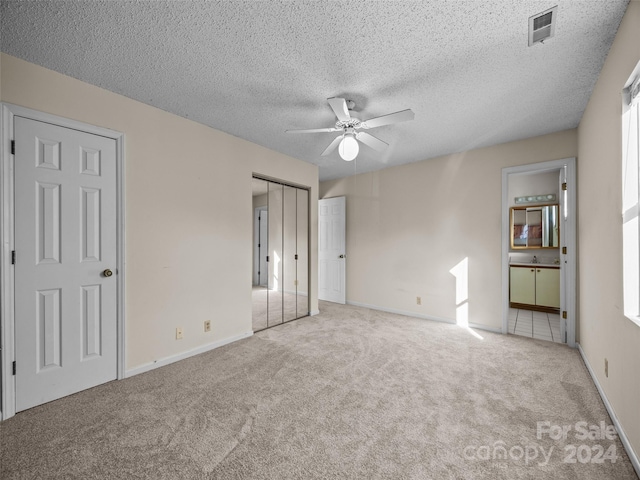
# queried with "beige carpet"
point(350, 393)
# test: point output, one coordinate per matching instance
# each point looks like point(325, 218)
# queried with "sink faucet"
point(535, 260)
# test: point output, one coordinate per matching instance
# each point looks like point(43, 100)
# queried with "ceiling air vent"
point(542, 25)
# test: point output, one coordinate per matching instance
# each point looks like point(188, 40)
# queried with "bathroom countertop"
point(529, 264)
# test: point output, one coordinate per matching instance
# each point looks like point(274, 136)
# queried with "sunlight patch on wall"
point(461, 272)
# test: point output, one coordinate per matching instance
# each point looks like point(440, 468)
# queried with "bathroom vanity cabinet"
point(535, 287)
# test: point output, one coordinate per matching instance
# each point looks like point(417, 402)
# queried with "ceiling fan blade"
point(371, 141)
point(315, 130)
point(332, 146)
point(402, 116)
point(339, 107)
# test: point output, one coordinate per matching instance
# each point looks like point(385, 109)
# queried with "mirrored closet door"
point(280, 253)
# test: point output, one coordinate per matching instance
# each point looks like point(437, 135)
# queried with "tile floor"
point(540, 325)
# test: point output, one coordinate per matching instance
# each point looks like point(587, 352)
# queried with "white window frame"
point(631, 196)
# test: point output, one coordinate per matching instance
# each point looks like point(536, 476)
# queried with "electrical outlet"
point(178, 333)
point(606, 368)
point(207, 325)
point(418, 300)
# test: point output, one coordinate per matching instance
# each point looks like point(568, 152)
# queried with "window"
point(631, 195)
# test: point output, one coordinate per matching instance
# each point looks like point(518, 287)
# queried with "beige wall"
point(533, 184)
point(188, 211)
point(408, 226)
point(604, 330)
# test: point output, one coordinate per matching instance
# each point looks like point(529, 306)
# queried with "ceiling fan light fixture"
point(348, 148)
point(347, 143)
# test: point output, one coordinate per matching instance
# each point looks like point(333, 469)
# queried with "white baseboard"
point(486, 328)
point(423, 317)
point(181, 356)
point(314, 312)
point(623, 437)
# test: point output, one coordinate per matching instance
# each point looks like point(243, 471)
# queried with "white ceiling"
point(256, 68)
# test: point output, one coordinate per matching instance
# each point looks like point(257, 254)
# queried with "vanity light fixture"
point(550, 197)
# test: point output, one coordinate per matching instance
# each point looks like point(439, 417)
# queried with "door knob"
point(107, 273)
point(341, 256)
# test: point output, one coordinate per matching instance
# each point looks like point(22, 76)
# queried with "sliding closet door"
point(260, 189)
point(302, 251)
point(289, 279)
point(275, 257)
point(281, 253)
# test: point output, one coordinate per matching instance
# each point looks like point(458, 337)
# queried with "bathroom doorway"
point(539, 250)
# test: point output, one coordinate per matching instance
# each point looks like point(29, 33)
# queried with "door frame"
point(7, 230)
point(568, 239)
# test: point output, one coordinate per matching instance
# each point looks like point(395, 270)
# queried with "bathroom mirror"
point(535, 227)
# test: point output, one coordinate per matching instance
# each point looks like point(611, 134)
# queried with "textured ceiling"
point(256, 68)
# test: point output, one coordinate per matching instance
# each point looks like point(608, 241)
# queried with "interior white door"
point(65, 242)
point(332, 249)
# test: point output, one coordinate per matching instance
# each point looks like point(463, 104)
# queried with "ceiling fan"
point(347, 143)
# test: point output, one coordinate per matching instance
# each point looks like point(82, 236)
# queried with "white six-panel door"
point(332, 249)
point(65, 243)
